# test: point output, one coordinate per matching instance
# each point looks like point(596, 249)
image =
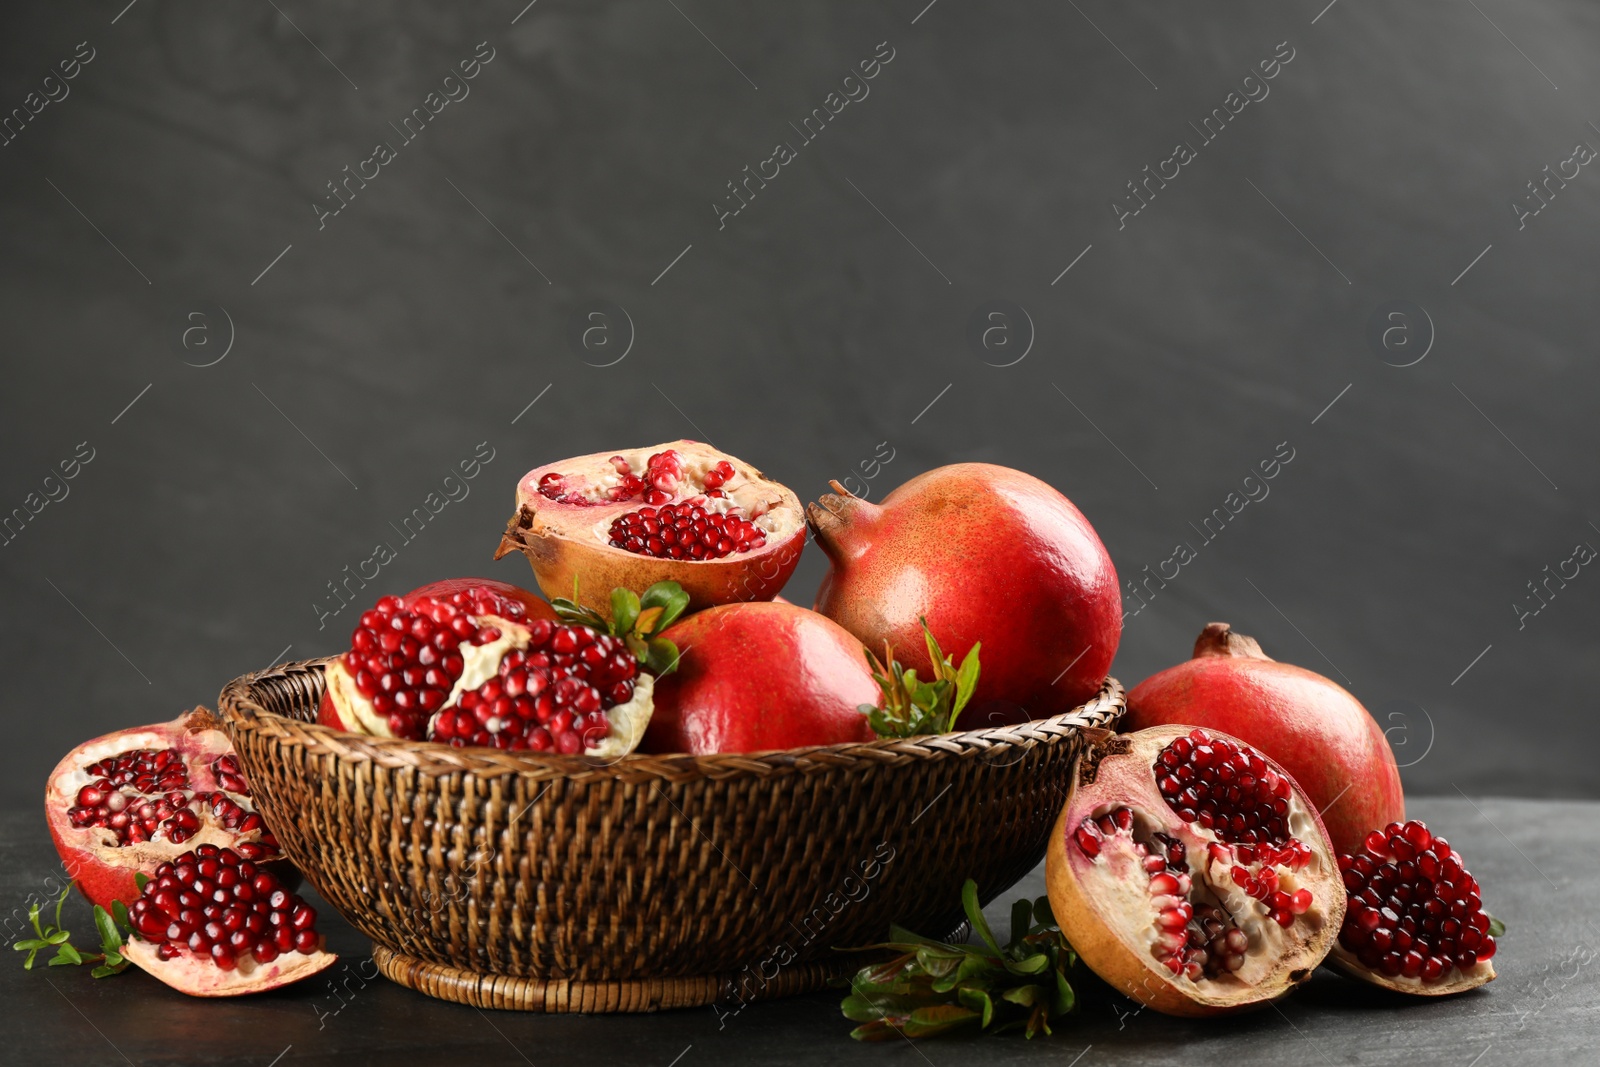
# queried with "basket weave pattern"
point(561, 883)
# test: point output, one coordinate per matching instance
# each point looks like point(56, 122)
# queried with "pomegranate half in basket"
point(680, 512)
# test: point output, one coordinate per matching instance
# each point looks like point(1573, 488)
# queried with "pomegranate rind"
point(1117, 770)
point(758, 677)
point(566, 546)
point(202, 978)
point(199, 737)
point(986, 554)
point(1310, 724)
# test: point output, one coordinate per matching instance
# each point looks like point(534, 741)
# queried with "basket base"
point(561, 995)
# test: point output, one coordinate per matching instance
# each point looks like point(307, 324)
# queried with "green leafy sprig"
point(110, 926)
point(913, 706)
point(932, 988)
point(638, 620)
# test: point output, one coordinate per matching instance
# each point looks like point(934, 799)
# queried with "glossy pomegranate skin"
point(1311, 725)
point(757, 676)
point(987, 554)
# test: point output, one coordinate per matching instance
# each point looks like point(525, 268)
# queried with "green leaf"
point(1035, 964)
point(980, 925)
point(32, 943)
point(1025, 995)
point(140, 879)
point(1042, 913)
point(1496, 927)
point(877, 1030)
point(925, 1022)
point(966, 682)
point(119, 912)
point(1021, 921)
point(66, 956)
point(975, 999)
point(936, 654)
point(624, 609)
point(661, 656)
point(110, 936)
point(1065, 999)
point(56, 937)
point(670, 598)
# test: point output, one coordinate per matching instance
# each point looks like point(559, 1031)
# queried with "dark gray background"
point(1176, 353)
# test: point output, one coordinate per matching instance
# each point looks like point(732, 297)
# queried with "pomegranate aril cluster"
point(1226, 788)
point(142, 795)
point(685, 531)
point(551, 697)
point(1194, 940)
point(217, 904)
point(1413, 909)
point(406, 659)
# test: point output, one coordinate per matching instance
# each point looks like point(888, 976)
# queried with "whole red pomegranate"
point(1308, 723)
point(759, 676)
point(987, 554)
point(121, 804)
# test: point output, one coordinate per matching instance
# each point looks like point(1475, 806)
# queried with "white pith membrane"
point(762, 503)
point(202, 978)
point(199, 749)
point(480, 663)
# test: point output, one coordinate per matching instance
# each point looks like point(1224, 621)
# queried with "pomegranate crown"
point(912, 706)
point(637, 620)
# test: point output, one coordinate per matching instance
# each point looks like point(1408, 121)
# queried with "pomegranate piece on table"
point(1191, 873)
point(761, 676)
point(680, 512)
point(1308, 723)
point(211, 923)
point(474, 666)
point(121, 804)
point(987, 554)
point(1414, 919)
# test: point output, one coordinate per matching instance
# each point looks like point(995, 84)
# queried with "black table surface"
point(1534, 858)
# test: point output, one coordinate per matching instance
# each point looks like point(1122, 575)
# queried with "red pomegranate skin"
point(1321, 734)
point(757, 676)
point(988, 554)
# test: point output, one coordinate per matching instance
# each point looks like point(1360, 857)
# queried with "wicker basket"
point(557, 883)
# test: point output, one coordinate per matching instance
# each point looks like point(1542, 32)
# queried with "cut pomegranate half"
point(211, 923)
point(1414, 919)
point(680, 511)
point(470, 667)
point(1191, 873)
point(121, 804)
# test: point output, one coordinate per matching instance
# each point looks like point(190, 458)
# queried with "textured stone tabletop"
point(1534, 859)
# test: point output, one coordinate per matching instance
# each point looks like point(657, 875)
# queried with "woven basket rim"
point(241, 711)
